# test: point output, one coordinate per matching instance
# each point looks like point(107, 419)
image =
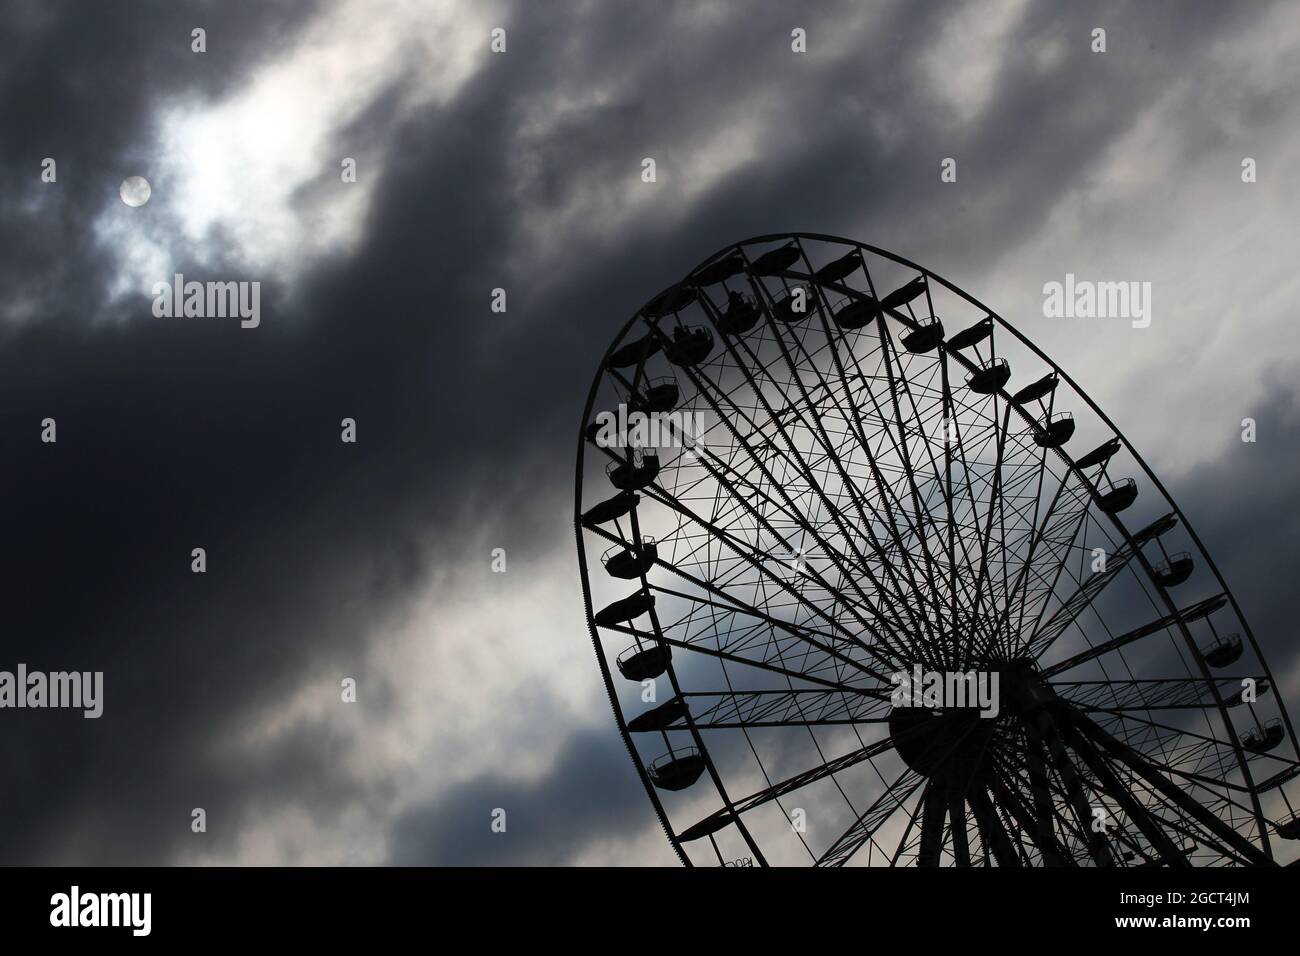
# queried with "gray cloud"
point(584, 799)
point(179, 435)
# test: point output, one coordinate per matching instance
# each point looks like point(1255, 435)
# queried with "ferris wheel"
point(811, 473)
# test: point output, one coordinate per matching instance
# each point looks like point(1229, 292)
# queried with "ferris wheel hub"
point(949, 744)
point(960, 744)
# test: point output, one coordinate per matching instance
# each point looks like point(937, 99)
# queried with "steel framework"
point(805, 472)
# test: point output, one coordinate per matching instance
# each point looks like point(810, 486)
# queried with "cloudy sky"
point(521, 170)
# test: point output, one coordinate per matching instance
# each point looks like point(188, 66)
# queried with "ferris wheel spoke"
point(1181, 750)
point(763, 562)
point(904, 841)
point(754, 556)
point(1212, 760)
point(921, 518)
point(802, 633)
point(1159, 693)
point(977, 622)
point(937, 749)
point(723, 817)
point(798, 644)
point(888, 499)
point(918, 524)
point(951, 410)
point(1087, 734)
point(1206, 755)
point(795, 707)
point(998, 592)
point(1038, 532)
point(983, 576)
point(864, 829)
point(767, 643)
point(1202, 752)
point(1053, 834)
point(755, 559)
point(1015, 524)
point(1044, 736)
point(1059, 528)
point(896, 629)
point(730, 605)
point(1192, 612)
point(994, 836)
point(836, 517)
point(901, 381)
point(1157, 812)
point(1044, 632)
point(1044, 807)
point(741, 643)
point(1042, 836)
point(934, 817)
point(957, 826)
point(1001, 490)
point(1043, 635)
point(958, 597)
point(826, 674)
point(893, 506)
point(834, 681)
point(958, 588)
point(816, 428)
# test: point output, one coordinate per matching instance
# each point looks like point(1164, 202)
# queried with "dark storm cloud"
point(581, 801)
point(80, 83)
point(1039, 134)
point(173, 435)
point(858, 138)
point(1243, 508)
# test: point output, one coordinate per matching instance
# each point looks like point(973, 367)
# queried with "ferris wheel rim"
point(1126, 535)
